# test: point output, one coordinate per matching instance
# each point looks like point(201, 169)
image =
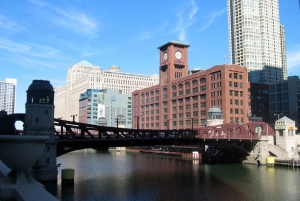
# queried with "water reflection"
point(114, 175)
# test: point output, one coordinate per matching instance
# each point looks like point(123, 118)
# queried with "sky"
point(42, 39)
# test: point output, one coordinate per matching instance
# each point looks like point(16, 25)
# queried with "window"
point(230, 75)
point(236, 102)
point(187, 107)
point(230, 101)
point(236, 111)
point(235, 75)
point(231, 110)
point(194, 82)
point(230, 83)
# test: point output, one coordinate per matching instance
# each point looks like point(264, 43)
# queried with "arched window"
point(165, 89)
point(180, 86)
point(194, 82)
point(202, 80)
point(174, 87)
point(187, 84)
point(152, 93)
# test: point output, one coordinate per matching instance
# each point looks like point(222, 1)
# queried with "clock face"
point(178, 55)
point(165, 56)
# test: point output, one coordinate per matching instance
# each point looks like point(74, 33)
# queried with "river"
point(111, 175)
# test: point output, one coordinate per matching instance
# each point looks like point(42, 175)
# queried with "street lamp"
point(74, 115)
point(278, 115)
point(138, 122)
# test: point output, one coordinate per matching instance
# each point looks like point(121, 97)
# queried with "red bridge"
point(238, 137)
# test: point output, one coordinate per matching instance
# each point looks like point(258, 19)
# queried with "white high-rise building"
point(8, 89)
point(83, 76)
point(256, 39)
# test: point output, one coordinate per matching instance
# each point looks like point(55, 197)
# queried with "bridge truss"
point(74, 135)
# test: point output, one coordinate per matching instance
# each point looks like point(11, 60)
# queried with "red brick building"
point(182, 100)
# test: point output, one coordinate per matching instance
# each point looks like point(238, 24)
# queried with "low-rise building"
point(106, 107)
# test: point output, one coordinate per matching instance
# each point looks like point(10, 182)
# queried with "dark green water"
point(101, 175)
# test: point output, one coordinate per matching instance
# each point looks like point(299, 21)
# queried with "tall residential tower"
point(256, 39)
point(8, 95)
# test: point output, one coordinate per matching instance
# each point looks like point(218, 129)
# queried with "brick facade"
point(182, 100)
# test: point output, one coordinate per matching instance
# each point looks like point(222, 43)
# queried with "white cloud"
point(37, 2)
point(30, 49)
point(293, 59)
point(9, 25)
point(185, 18)
point(211, 19)
point(28, 54)
point(75, 20)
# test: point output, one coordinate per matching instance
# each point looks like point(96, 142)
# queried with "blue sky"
point(42, 39)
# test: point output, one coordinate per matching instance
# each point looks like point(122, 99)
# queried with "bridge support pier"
point(260, 151)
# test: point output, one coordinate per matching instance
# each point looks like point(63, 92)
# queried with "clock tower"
point(173, 62)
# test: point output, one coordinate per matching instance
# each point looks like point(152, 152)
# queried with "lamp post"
point(117, 122)
point(74, 115)
point(278, 115)
point(138, 122)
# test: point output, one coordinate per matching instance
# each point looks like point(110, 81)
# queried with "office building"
point(83, 76)
point(256, 39)
point(259, 104)
point(285, 99)
point(105, 107)
point(8, 89)
point(182, 100)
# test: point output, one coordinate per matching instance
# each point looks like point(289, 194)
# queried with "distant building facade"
point(83, 76)
point(257, 39)
point(182, 100)
point(285, 99)
point(106, 107)
point(8, 90)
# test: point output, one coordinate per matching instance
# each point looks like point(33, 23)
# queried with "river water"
point(111, 175)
